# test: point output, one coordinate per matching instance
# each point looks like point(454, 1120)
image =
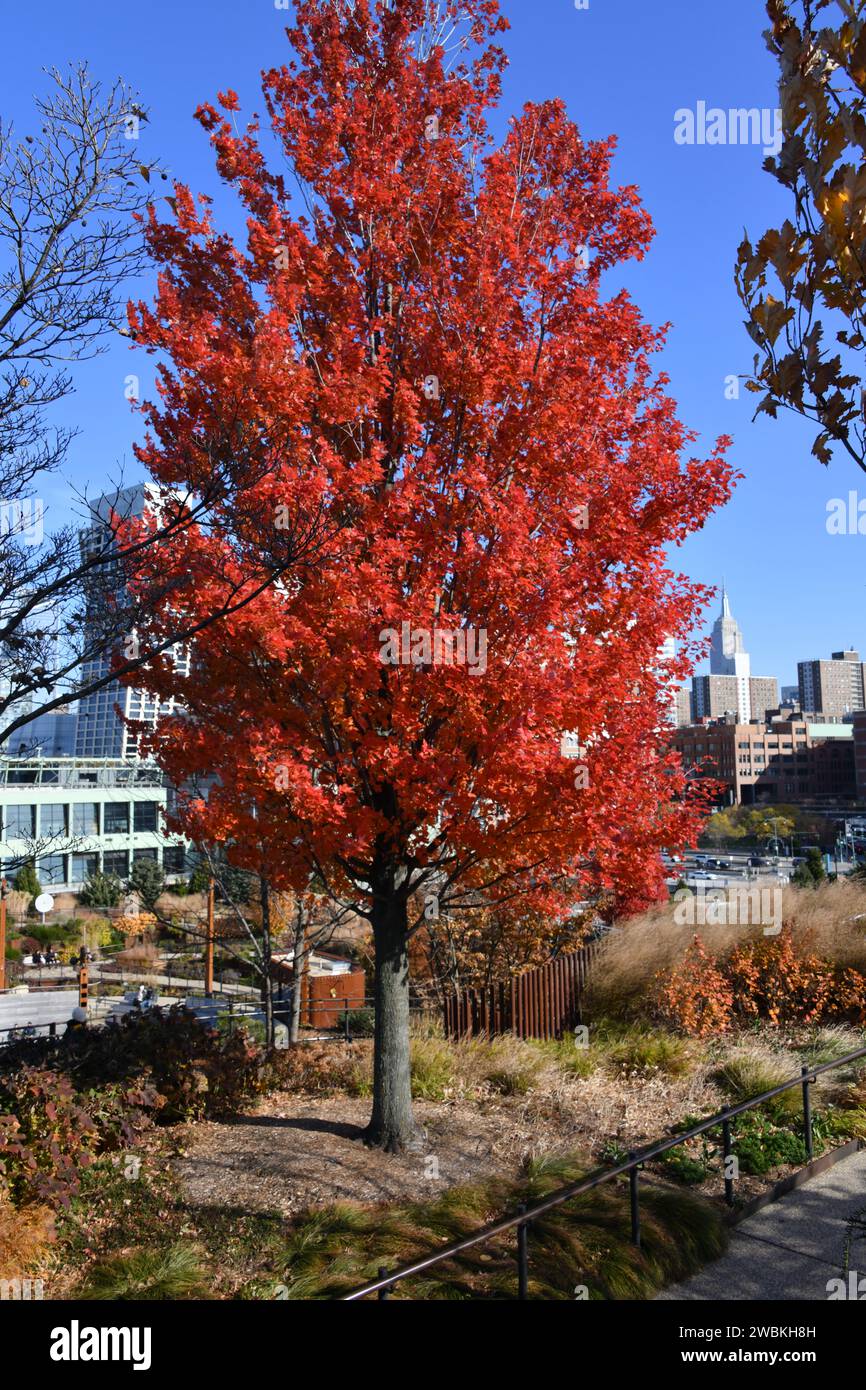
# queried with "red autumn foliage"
point(425, 394)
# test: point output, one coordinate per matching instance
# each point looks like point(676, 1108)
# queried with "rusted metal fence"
point(542, 1003)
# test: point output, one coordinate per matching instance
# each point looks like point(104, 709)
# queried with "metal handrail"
point(527, 1214)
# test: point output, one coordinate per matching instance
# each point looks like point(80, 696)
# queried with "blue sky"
point(623, 67)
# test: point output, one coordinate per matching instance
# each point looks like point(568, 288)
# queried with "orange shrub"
point(695, 995)
point(773, 978)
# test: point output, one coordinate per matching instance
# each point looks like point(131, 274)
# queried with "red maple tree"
point(414, 347)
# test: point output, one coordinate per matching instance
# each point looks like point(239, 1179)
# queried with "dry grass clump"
point(584, 1244)
point(143, 955)
point(636, 952)
point(150, 1275)
point(502, 1065)
point(831, 1043)
point(752, 1068)
point(832, 919)
point(25, 1233)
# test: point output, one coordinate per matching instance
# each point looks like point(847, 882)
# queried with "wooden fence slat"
point(542, 1003)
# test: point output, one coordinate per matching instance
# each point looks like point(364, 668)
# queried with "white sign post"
point(44, 903)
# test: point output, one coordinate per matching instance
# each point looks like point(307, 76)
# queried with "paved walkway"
point(792, 1248)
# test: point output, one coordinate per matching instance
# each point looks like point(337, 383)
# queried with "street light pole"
point(208, 950)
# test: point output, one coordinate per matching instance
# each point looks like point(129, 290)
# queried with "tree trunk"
point(299, 960)
point(392, 1124)
point(267, 966)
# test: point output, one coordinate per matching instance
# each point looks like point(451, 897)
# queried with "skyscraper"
point(102, 731)
point(730, 688)
point(728, 655)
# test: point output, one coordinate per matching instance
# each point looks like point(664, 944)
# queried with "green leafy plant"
point(683, 1167)
point(761, 1144)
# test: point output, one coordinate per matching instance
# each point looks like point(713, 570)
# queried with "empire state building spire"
point(728, 656)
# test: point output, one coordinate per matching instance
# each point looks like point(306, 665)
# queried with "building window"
point(151, 854)
point(116, 814)
point(147, 815)
point(83, 866)
point(174, 859)
point(85, 818)
point(20, 822)
point(52, 819)
point(51, 869)
point(116, 861)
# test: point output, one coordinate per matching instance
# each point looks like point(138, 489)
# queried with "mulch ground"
point(294, 1152)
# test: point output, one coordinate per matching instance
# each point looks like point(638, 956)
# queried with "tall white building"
point(730, 688)
point(728, 657)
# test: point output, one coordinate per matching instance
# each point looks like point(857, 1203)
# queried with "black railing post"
point(807, 1114)
point(523, 1256)
point(635, 1201)
point(728, 1154)
point(346, 1016)
point(386, 1292)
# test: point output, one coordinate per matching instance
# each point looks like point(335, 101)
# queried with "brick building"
point(783, 761)
point(860, 754)
point(835, 687)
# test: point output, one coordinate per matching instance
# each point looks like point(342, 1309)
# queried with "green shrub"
point(760, 1144)
point(147, 880)
point(681, 1166)
point(27, 881)
point(101, 890)
point(361, 1022)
